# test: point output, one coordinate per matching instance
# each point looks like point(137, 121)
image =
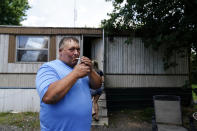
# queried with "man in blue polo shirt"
point(64, 90)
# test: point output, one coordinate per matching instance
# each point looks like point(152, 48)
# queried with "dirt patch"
point(124, 121)
point(138, 125)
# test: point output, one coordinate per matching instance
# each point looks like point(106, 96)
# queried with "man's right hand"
point(81, 70)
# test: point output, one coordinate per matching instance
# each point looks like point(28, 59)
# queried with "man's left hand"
point(86, 61)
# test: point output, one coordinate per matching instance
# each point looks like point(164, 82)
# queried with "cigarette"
point(78, 58)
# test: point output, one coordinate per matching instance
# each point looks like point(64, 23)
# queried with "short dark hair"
point(64, 39)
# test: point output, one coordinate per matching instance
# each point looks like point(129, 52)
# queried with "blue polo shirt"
point(73, 112)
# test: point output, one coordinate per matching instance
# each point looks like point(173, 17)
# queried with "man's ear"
point(60, 52)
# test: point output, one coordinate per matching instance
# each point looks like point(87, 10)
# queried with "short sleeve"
point(45, 76)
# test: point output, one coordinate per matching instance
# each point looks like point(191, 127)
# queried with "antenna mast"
point(75, 13)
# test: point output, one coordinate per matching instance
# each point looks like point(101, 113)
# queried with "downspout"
point(104, 66)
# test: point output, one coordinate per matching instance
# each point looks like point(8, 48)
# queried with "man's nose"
point(76, 51)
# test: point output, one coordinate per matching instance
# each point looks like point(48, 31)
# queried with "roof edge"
point(7, 29)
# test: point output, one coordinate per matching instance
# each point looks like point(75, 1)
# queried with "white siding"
point(97, 51)
point(17, 80)
point(17, 75)
point(19, 100)
point(4, 39)
point(136, 59)
point(133, 65)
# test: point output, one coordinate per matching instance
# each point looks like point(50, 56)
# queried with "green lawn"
point(26, 120)
point(193, 94)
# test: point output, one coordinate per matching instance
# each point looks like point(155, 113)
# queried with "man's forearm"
point(95, 80)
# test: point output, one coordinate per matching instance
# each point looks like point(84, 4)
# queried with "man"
point(63, 87)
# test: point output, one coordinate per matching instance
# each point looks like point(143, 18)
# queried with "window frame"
point(31, 49)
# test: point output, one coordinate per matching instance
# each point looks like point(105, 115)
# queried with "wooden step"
point(103, 112)
point(102, 103)
point(103, 96)
point(102, 121)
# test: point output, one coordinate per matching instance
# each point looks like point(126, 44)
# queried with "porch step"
point(103, 119)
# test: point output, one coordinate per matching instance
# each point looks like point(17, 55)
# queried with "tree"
point(169, 22)
point(194, 67)
point(12, 12)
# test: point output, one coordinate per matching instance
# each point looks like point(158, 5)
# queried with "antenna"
point(75, 13)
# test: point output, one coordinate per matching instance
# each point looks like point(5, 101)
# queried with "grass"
point(26, 120)
point(193, 94)
point(187, 112)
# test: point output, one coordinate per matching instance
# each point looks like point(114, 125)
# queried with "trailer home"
point(133, 73)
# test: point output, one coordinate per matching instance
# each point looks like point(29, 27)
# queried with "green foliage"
point(12, 12)
point(171, 23)
point(194, 67)
point(193, 93)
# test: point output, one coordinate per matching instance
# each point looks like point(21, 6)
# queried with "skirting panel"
point(129, 81)
point(19, 100)
point(125, 98)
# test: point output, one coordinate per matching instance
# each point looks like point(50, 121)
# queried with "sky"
point(60, 13)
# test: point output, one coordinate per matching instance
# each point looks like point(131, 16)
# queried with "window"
point(32, 48)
